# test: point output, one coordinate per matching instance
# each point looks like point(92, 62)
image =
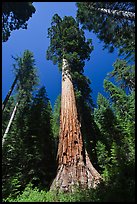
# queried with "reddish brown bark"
point(74, 166)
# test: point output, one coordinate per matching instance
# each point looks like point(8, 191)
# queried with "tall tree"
point(41, 166)
point(115, 119)
point(24, 72)
point(14, 151)
point(116, 146)
point(14, 16)
point(69, 48)
point(115, 17)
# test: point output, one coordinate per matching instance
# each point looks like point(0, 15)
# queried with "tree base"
point(77, 174)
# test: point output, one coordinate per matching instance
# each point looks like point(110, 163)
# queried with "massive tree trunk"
point(74, 166)
point(118, 13)
point(9, 93)
point(9, 124)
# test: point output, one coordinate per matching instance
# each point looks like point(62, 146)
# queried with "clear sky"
point(35, 39)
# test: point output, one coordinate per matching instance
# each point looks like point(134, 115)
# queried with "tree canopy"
point(108, 127)
point(90, 15)
point(67, 40)
point(15, 16)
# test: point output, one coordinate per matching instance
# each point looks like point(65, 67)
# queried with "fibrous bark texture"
point(74, 166)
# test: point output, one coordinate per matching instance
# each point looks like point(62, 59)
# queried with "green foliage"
point(103, 193)
point(14, 16)
point(14, 150)
point(31, 194)
point(56, 120)
point(116, 145)
point(93, 19)
point(67, 40)
point(28, 195)
point(41, 140)
point(121, 101)
point(124, 74)
point(28, 162)
point(26, 71)
point(28, 154)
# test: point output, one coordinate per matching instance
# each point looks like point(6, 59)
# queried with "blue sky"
point(35, 39)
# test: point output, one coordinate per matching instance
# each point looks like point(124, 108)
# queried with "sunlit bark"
point(74, 166)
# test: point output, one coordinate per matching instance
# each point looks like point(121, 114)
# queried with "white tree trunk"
point(118, 13)
point(125, 14)
point(9, 124)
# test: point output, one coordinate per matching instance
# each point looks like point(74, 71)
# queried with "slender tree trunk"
point(9, 93)
point(9, 124)
point(74, 166)
point(124, 14)
point(117, 13)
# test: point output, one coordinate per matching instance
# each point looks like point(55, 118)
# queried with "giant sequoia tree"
point(69, 48)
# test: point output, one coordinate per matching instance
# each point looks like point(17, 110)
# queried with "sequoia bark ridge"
point(74, 166)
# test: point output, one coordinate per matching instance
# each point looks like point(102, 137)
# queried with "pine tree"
point(14, 151)
point(115, 146)
point(95, 17)
point(69, 48)
point(41, 141)
point(23, 72)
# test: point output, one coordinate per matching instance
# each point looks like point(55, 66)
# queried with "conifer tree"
point(14, 151)
point(68, 48)
point(41, 141)
point(24, 73)
point(118, 18)
point(115, 118)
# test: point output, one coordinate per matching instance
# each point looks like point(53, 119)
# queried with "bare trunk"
point(118, 13)
point(9, 124)
point(9, 93)
point(124, 14)
point(74, 166)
